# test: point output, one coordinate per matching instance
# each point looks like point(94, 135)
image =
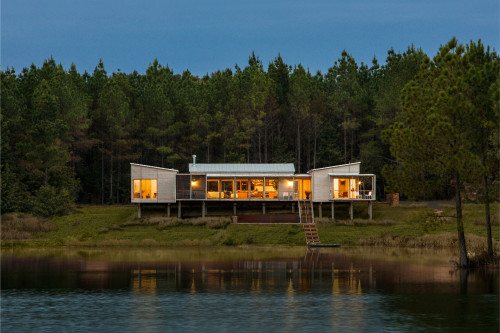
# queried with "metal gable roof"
point(246, 168)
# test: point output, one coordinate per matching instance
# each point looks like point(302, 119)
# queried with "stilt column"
point(234, 208)
point(333, 210)
point(179, 209)
point(139, 213)
point(293, 207)
point(263, 208)
point(351, 210)
point(320, 209)
point(370, 209)
point(203, 209)
point(168, 210)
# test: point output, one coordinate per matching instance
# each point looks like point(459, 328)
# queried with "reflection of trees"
point(347, 288)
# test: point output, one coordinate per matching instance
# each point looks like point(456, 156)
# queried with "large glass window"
point(213, 189)
point(285, 189)
point(271, 188)
point(340, 188)
point(256, 188)
point(241, 188)
point(349, 188)
point(353, 188)
point(198, 187)
point(365, 186)
point(137, 188)
point(227, 186)
point(145, 189)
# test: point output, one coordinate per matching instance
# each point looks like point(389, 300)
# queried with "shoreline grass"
point(406, 226)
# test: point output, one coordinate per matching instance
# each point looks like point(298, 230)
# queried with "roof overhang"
point(351, 174)
point(250, 175)
point(270, 168)
point(153, 167)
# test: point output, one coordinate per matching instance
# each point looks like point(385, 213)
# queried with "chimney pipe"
point(194, 159)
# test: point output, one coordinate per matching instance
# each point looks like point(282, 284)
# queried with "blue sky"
point(205, 36)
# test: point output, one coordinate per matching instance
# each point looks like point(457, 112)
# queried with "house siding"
point(166, 183)
point(321, 184)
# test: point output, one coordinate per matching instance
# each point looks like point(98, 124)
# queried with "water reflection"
point(315, 270)
point(290, 290)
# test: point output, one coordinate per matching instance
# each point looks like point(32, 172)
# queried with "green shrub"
point(49, 201)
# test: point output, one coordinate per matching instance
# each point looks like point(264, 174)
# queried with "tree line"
point(69, 137)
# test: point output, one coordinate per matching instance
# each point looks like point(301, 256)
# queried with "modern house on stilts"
point(261, 184)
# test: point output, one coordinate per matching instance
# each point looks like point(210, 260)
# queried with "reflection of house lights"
point(290, 183)
point(194, 183)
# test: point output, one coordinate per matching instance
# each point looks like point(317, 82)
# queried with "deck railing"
point(288, 196)
point(360, 194)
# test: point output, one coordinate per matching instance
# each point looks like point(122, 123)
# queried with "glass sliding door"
point(227, 186)
point(213, 189)
point(302, 189)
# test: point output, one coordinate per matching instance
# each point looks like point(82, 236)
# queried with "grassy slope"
point(117, 225)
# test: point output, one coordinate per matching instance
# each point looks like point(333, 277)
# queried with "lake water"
point(246, 290)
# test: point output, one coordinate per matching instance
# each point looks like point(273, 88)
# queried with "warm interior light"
point(290, 183)
point(194, 183)
point(359, 183)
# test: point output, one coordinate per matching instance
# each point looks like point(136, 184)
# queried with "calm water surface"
point(256, 290)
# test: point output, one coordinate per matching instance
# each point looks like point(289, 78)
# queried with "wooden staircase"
point(307, 220)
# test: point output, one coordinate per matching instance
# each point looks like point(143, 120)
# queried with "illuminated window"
point(242, 189)
point(227, 189)
point(145, 189)
point(271, 188)
point(137, 188)
point(213, 189)
point(302, 189)
point(256, 188)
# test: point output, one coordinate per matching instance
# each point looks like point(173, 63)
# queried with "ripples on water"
point(319, 291)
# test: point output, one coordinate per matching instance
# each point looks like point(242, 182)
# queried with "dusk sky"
point(205, 36)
